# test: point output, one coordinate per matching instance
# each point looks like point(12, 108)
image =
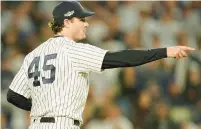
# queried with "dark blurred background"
point(165, 94)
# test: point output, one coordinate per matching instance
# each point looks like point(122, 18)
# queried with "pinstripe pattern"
point(66, 96)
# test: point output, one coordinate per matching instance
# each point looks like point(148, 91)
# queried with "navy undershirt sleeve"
point(18, 100)
point(131, 58)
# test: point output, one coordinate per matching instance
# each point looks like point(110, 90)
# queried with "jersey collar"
point(71, 41)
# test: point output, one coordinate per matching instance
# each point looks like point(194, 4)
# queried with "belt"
point(52, 120)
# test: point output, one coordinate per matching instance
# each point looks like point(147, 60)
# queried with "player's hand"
point(178, 51)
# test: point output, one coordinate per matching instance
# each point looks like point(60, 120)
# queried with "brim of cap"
point(86, 14)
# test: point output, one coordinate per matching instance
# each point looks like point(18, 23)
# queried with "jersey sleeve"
point(20, 83)
point(86, 57)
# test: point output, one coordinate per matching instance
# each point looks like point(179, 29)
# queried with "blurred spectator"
point(45, 9)
point(109, 117)
point(24, 23)
point(7, 74)
point(156, 41)
point(168, 28)
point(142, 109)
point(116, 118)
point(189, 125)
point(3, 121)
point(155, 91)
point(197, 113)
point(147, 26)
point(98, 122)
point(97, 30)
point(172, 7)
point(160, 118)
point(193, 90)
point(16, 59)
point(174, 94)
point(131, 40)
point(128, 16)
point(191, 21)
point(129, 86)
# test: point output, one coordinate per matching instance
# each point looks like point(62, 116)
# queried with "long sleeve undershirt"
point(18, 100)
point(131, 58)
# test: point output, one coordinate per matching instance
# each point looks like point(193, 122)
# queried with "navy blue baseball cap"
point(70, 9)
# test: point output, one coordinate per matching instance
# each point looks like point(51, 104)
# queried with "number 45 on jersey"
point(36, 73)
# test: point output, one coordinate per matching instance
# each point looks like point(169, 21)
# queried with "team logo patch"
point(69, 13)
point(83, 74)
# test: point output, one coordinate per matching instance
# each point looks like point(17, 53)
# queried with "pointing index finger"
point(188, 48)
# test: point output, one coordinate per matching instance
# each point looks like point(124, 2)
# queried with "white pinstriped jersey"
point(55, 77)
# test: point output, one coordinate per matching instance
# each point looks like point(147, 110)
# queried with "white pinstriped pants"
point(60, 123)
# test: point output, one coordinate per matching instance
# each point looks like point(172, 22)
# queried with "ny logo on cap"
point(69, 13)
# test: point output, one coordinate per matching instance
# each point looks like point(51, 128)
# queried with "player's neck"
point(65, 34)
point(60, 35)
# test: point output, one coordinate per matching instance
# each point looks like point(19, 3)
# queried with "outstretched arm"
point(131, 58)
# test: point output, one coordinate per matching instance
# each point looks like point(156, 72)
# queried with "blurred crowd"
point(164, 94)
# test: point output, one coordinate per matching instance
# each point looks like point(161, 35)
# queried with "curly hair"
point(56, 26)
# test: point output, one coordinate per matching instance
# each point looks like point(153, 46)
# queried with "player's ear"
point(67, 23)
